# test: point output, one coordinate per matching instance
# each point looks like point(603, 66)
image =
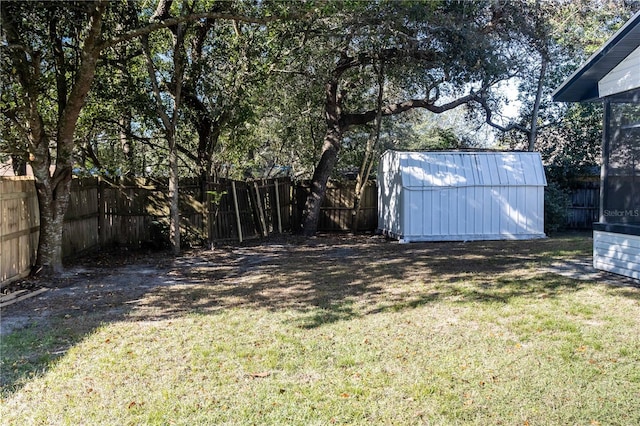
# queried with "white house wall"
point(617, 253)
point(625, 76)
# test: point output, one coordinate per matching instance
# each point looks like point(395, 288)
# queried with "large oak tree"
point(436, 56)
point(50, 53)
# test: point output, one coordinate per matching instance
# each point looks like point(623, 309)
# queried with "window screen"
point(621, 202)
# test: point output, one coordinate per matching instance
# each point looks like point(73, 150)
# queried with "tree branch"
point(186, 152)
point(139, 32)
point(349, 120)
point(151, 70)
point(488, 119)
point(385, 55)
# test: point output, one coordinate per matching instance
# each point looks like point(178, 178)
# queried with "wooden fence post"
point(101, 212)
point(235, 203)
point(275, 181)
point(263, 222)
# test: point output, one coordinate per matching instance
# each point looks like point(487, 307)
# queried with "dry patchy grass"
point(330, 331)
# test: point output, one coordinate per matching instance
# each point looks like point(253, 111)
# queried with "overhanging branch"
point(349, 120)
point(139, 32)
point(488, 119)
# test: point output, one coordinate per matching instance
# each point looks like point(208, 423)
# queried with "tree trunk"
point(330, 150)
point(53, 202)
point(174, 196)
point(53, 193)
point(170, 122)
point(54, 189)
point(533, 134)
point(328, 158)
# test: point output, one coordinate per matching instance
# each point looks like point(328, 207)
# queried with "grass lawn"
point(335, 331)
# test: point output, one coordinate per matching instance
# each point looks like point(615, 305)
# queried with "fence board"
point(81, 219)
point(247, 210)
point(336, 212)
point(130, 208)
point(222, 216)
point(584, 207)
point(19, 227)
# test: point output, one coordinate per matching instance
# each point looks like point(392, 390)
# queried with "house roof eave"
point(582, 85)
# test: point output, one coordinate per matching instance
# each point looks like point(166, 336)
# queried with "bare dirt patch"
point(282, 273)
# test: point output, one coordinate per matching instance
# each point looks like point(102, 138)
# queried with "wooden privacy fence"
point(248, 209)
point(584, 208)
point(19, 227)
point(336, 213)
point(135, 212)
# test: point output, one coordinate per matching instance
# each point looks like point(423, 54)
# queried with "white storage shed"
point(461, 196)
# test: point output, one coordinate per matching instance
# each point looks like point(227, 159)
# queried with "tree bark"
point(53, 202)
point(328, 158)
point(323, 170)
point(533, 133)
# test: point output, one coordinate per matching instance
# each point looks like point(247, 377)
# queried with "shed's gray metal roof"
point(582, 85)
point(458, 169)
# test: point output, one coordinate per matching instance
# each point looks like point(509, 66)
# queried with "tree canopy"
point(237, 89)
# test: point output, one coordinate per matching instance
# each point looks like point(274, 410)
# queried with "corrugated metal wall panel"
point(472, 213)
point(510, 215)
point(518, 207)
point(391, 199)
point(489, 211)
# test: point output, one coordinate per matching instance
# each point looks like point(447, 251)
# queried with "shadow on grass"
point(332, 279)
point(502, 291)
point(326, 280)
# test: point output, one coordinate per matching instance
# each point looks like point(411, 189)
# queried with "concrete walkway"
point(582, 269)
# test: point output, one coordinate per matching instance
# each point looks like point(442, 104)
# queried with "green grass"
point(392, 335)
